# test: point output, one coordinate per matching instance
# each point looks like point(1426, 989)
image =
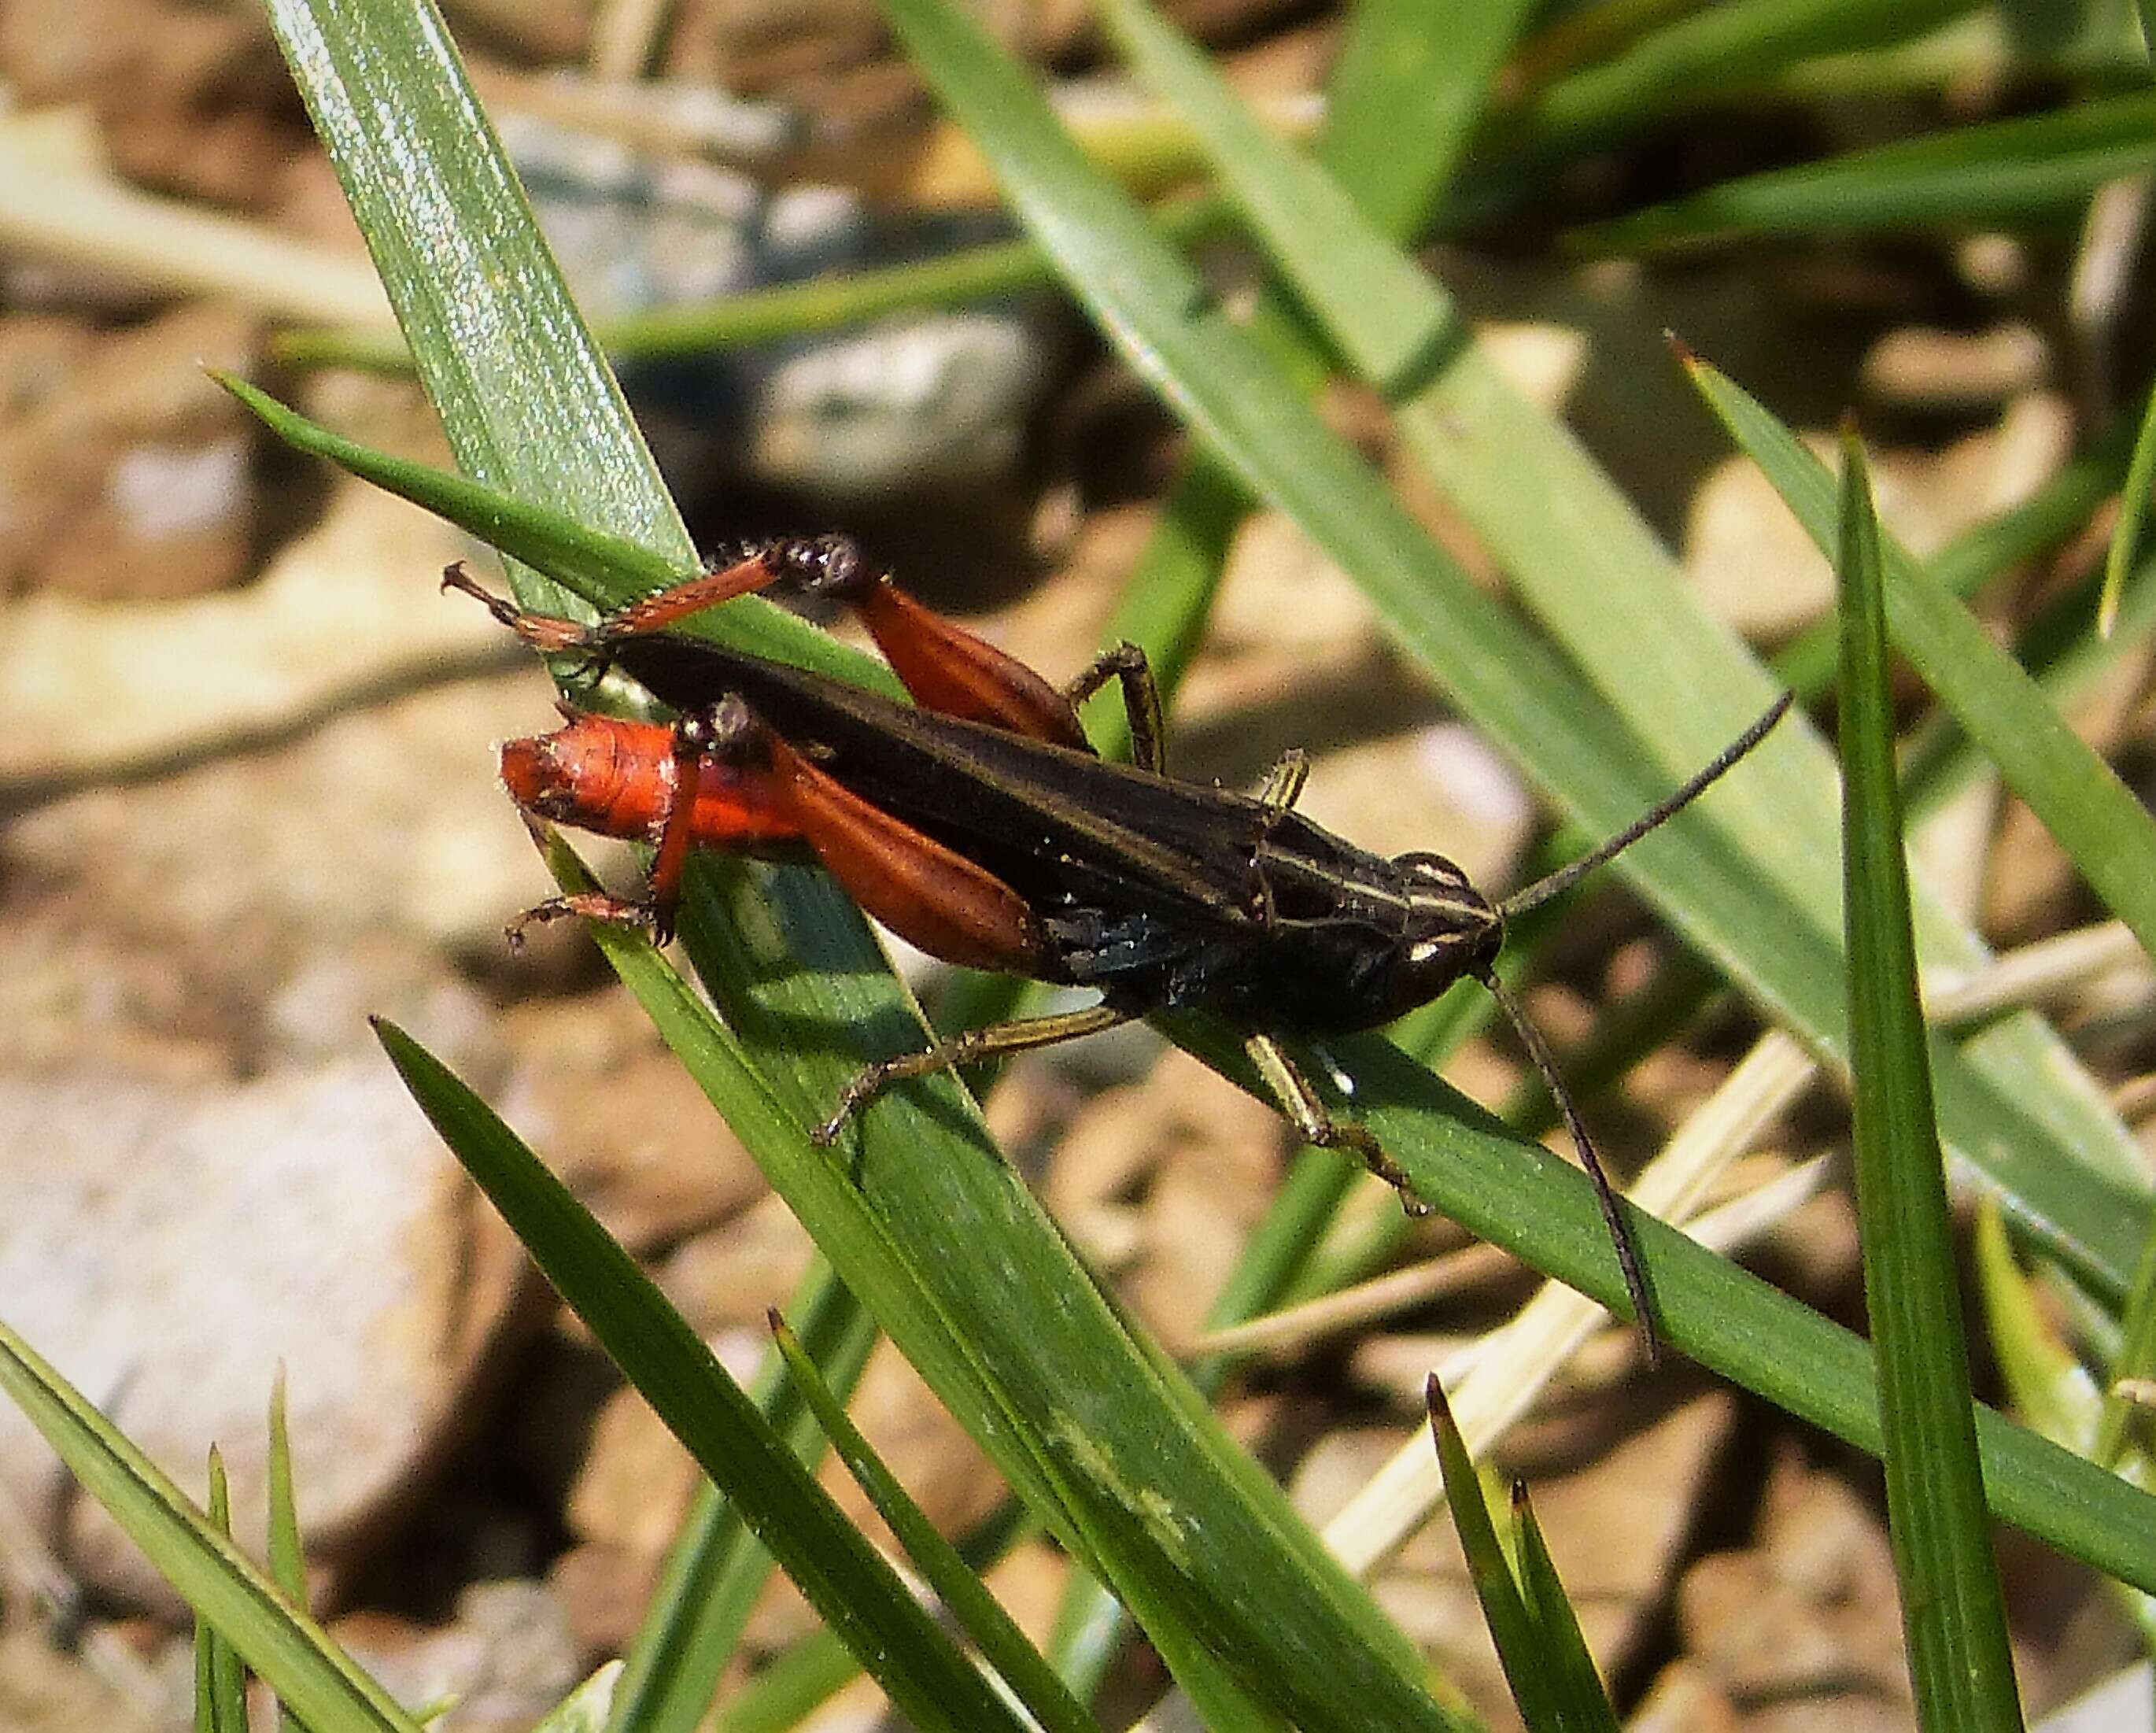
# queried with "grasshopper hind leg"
point(994, 1041)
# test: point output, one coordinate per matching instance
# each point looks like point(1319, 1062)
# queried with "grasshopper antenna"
point(1565, 878)
point(1605, 1195)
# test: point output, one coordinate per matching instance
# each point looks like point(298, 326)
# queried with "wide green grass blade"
point(1588, 563)
point(1038, 1339)
point(525, 397)
point(2094, 817)
point(311, 1675)
point(1954, 1618)
point(1406, 92)
point(910, 1233)
point(1002, 1644)
point(1994, 173)
point(844, 1578)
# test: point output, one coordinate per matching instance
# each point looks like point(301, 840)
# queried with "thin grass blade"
point(1513, 1628)
point(591, 564)
point(1994, 174)
point(2132, 510)
point(585, 1709)
point(854, 1591)
point(715, 1568)
point(1583, 1705)
point(220, 1675)
point(311, 1675)
point(2093, 815)
point(1953, 1616)
point(979, 1614)
point(288, 1557)
point(2046, 1385)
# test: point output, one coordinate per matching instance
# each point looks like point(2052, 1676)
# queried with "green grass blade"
point(311, 1675)
point(526, 397)
point(584, 1709)
point(1513, 1630)
point(1409, 87)
point(2047, 1387)
point(589, 563)
point(1588, 562)
point(1583, 1705)
point(793, 1687)
point(2094, 816)
point(2064, 654)
point(1540, 1208)
point(1002, 1644)
point(907, 1218)
point(2133, 509)
point(220, 1677)
point(288, 1557)
point(715, 1568)
point(960, 278)
point(1954, 1616)
point(1991, 173)
point(1038, 1339)
point(851, 1587)
point(1708, 51)
point(2135, 1358)
point(923, 1222)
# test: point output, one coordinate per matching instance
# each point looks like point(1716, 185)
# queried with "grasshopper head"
point(1451, 930)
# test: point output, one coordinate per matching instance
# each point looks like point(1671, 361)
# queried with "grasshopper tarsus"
point(1364, 1144)
point(591, 905)
point(541, 631)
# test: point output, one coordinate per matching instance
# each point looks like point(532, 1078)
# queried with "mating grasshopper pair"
point(978, 824)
